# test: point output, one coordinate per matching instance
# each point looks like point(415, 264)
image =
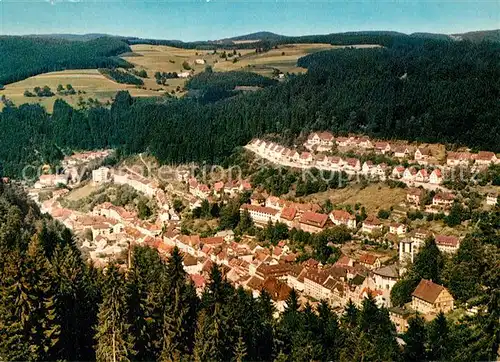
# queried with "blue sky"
point(214, 19)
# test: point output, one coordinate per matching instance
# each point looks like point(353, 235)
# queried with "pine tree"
point(213, 331)
point(350, 316)
point(439, 339)
point(76, 309)
point(29, 324)
point(240, 351)
point(114, 341)
point(329, 333)
point(180, 313)
point(415, 337)
point(146, 301)
point(428, 262)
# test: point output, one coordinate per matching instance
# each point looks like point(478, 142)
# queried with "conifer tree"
point(329, 333)
point(378, 332)
point(415, 337)
point(439, 339)
point(146, 302)
point(213, 331)
point(29, 324)
point(240, 351)
point(114, 341)
point(179, 317)
point(76, 309)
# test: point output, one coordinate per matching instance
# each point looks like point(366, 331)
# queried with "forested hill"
point(432, 91)
point(23, 57)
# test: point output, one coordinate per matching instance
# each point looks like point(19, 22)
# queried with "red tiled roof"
point(437, 172)
point(446, 240)
point(428, 291)
point(278, 290)
point(415, 191)
point(198, 280)
point(369, 259)
point(314, 219)
point(372, 220)
point(288, 213)
point(214, 240)
point(325, 136)
point(342, 215)
point(262, 209)
point(218, 186)
point(445, 196)
point(484, 156)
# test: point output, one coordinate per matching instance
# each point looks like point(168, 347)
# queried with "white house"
point(341, 217)
point(436, 177)
point(491, 199)
point(101, 175)
point(261, 214)
point(398, 228)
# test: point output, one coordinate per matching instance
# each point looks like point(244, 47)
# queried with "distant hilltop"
point(474, 36)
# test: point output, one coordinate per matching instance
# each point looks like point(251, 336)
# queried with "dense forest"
point(23, 57)
point(435, 91)
point(54, 306)
point(210, 86)
point(121, 76)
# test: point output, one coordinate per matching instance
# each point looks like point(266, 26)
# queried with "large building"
point(260, 214)
point(100, 175)
point(431, 298)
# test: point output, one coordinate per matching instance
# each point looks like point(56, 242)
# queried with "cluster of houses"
point(324, 141)
point(277, 271)
point(308, 217)
point(71, 167)
point(114, 229)
point(220, 188)
point(318, 155)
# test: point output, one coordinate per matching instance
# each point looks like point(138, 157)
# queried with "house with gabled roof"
point(342, 217)
point(369, 261)
point(398, 228)
point(447, 243)
point(410, 174)
point(313, 222)
point(260, 214)
point(454, 159)
point(352, 164)
point(443, 199)
point(371, 224)
point(422, 175)
point(422, 154)
point(414, 196)
point(402, 152)
point(382, 147)
point(306, 158)
point(485, 158)
point(436, 177)
point(431, 298)
point(398, 171)
point(385, 277)
point(367, 167)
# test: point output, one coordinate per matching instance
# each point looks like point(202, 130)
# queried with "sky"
point(190, 20)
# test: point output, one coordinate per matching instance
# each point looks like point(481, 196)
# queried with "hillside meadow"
point(158, 58)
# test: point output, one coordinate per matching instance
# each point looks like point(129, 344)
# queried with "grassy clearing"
point(90, 81)
point(373, 197)
point(81, 192)
point(157, 58)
